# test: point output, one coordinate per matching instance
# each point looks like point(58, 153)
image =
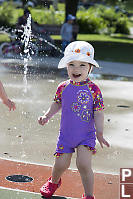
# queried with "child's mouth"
point(76, 75)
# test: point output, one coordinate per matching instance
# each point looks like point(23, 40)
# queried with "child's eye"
point(71, 64)
point(82, 65)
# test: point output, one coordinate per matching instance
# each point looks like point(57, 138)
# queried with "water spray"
point(26, 41)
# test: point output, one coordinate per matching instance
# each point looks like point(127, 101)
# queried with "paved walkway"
point(115, 68)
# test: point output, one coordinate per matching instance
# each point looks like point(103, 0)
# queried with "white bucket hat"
point(78, 51)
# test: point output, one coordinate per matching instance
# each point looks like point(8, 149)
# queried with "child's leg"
point(61, 164)
point(83, 162)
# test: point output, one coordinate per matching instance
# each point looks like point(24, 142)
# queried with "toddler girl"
point(82, 118)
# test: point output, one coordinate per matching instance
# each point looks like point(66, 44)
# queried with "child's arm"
point(54, 108)
point(99, 123)
point(6, 101)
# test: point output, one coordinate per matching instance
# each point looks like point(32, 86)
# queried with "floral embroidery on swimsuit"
point(86, 115)
point(83, 98)
point(81, 107)
point(85, 106)
point(76, 107)
point(61, 147)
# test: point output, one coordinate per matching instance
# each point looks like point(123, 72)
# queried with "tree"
point(71, 7)
point(24, 2)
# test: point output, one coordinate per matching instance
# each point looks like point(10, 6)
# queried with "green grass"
point(114, 38)
point(4, 38)
point(103, 38)
point(87, 37)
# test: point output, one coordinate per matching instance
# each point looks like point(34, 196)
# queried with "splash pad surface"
point(106, 185)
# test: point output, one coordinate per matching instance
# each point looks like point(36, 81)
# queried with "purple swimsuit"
point(79, 101)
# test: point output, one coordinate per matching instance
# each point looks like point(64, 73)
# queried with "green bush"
point(122, 26)
point(48, 16)
point(89, 22)
point(116, 22)
point(100, 19)
point(6, 14)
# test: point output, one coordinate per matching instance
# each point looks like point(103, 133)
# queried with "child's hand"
point(10, 104)
point(102, 140)
point(43, 120)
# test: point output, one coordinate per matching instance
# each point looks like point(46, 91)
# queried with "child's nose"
point(77, 67)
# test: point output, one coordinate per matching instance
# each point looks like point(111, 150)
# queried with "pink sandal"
point(48, 189)
point(87, 197)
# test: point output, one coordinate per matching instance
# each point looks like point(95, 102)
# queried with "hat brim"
point(76, 57)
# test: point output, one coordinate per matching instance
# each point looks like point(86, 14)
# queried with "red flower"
point(77, 50)
point(88, 53)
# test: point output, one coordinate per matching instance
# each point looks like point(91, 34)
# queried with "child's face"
point(70, 21)
point(78, 71)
